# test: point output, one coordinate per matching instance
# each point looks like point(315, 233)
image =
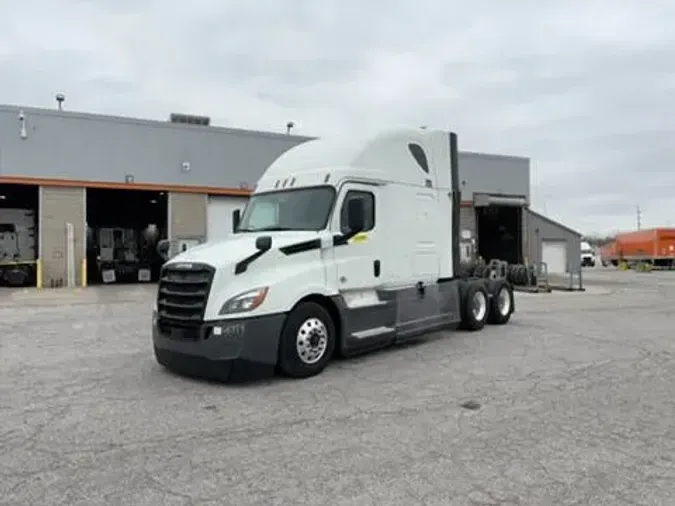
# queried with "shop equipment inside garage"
point(500, 233)
point(123, 229)
point(18, 235)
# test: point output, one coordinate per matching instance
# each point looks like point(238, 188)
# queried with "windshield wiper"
point(265, 229)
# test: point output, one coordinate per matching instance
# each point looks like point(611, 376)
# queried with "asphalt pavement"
point(572, 403)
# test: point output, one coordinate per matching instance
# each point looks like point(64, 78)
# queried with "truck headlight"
point(246, 301)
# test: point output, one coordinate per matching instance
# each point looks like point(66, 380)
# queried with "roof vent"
point(189, 119)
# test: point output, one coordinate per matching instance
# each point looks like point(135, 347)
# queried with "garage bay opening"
point(500, 233)
point(18, 234)
point(123, 229)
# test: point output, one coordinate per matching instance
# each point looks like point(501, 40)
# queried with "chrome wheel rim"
point(479, 305)
point(504, 301)
point(311, 341)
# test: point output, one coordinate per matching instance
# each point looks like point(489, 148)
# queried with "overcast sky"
point(584, 88)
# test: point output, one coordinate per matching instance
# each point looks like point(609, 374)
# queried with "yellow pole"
point(84, 272)
point(38, 273)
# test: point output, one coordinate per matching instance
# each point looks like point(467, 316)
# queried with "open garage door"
point(500, 233)
point(19, 210)
point(123, 229)
point(219, 215)
point(554, 254)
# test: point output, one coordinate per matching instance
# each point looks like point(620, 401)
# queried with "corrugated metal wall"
point(94, 148)
point(538, 228)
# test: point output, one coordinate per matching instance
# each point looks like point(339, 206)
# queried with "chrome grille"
point(183, 293)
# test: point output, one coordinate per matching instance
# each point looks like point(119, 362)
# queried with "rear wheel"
point(476, 307)
point(501, 305)
point(307, 341)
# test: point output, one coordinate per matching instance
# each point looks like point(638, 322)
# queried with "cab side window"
point(369, 205)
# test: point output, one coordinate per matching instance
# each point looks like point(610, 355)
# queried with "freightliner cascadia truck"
point(345, 246)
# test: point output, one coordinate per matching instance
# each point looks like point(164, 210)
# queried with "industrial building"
point(97, 190)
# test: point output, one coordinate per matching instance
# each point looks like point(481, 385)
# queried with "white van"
point(345, 246)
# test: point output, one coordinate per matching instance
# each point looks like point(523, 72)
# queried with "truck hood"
point(237, 247)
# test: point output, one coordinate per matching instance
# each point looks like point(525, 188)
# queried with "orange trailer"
point(656, 246)
point(608, 254)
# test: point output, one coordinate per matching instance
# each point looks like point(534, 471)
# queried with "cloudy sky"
point(585, 88)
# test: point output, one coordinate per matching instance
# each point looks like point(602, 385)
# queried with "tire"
point(476, 307)
point(501, 305)
point(16, 277)
point(308, 321)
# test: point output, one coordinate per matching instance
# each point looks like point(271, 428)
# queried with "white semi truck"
point(345, 246)
point(587, 255)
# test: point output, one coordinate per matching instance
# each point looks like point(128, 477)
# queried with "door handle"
point(376, 268)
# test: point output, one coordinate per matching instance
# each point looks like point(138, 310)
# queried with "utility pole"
point(639, 217)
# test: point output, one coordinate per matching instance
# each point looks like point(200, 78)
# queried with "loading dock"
point(19, 210)
point(123, 228)
point(499, 226)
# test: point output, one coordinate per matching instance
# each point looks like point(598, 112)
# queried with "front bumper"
point(241, 350)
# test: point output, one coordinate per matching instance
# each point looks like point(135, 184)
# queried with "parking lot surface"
point(573, 404)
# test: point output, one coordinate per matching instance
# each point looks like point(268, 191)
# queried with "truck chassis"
point(300, 343)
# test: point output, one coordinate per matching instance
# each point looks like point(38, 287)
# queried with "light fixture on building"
point(23, 132)
point(60, 98)
point(185, 166)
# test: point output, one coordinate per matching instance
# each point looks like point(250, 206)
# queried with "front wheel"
point(307, 341)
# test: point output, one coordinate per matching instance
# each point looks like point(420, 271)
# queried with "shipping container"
point(608, 254)
point(656, 246)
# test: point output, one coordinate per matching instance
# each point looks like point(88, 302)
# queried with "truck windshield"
point(301, 209)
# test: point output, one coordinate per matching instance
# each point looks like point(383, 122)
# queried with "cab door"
point(358, 262)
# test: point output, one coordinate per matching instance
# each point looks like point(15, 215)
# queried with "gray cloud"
point(585, 88)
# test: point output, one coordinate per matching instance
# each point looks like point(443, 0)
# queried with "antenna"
point(60, 98)
point(638, 213)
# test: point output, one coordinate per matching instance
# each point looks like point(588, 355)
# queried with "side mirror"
point(164, 248)
point(236, 218)
point(263, 243)
point(356, 216)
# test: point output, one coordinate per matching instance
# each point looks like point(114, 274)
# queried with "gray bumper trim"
point(240, 346)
